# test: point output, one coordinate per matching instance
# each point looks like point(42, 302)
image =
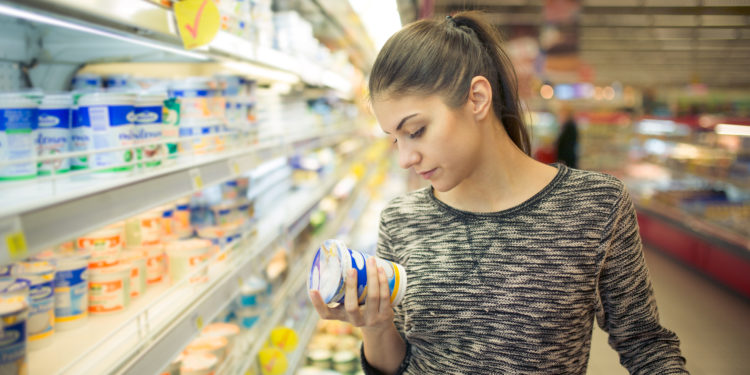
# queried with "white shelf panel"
point(46, 208)
point(155, 328)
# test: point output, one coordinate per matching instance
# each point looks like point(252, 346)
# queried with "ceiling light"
point(732, 129)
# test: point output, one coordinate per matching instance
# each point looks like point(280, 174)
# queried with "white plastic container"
point(252, 292)
point(155, 262)
point(19, 116)
point(53, 132)
point(14, 311)
point(144, 229)
point(216, 345)
point(148, 129)
point(87, 82)
point(41, 323)
point(104, 245)
point(110, 115)
point(71, 287)
point(199, 364)
point(184, 256)
point(332, 263)
point(228, 331)
point(181, 219)
point(80, 138)
point(167, 219)
point(196, 98)
point(136, 260)
point(248, 316)
point(109, 289)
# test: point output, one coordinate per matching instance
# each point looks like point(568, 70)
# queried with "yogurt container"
point(148, 129)
point(200, 363)
point(252, 292)
point(87, 82)
point(109, 289)
point(248, 316)
point(41, 321)
point(144, 229)
point(110, 115)
point(53, 132)
point(136, 261)
point(119, 81)
point(19, 117)
point(184, 256)
point(104, 245)
point(71, 287)
point(331, 264)
point(181, 219)
point(216, 345)
point(155, 262)
point(167, 218)
point(81, 138)
point(14, 311)
point(196, 98)
point(228, 331)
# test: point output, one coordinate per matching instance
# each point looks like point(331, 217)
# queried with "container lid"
point(57, 258)
point(207, 344)
point(12, 285)
point(221, 330)
point(150, 98)
point(58, 100)
point(326, 274)
point(344, 356)
point(319, 355)
point(106, 98)
point(20, 99)
point(189, 245)
point(198, 361)
point(35, 268)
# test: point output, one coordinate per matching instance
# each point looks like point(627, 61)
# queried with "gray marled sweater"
point(516, 291)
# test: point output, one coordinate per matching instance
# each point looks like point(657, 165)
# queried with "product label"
point(80, 139)
point(171, 121)
point(17, 142)
point(108, 296)
point(41, 312)
point(52, 137)
point(13, 346)
point(112, 127)
point(106, 245)
point(135, 285)
point(155, 269)
point(71, 303)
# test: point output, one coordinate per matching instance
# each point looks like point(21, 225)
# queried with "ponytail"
point(442, 57)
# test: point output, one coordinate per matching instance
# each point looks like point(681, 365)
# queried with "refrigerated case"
point(690, 185)
point(46, 43)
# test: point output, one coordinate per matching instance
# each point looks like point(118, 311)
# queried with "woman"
point(509, 260)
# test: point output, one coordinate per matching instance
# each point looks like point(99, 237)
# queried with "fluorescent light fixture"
point(732, 129)
point(257, 71)
point(31, 16)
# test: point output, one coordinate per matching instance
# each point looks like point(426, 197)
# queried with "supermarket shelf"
point(309, 329)
point(147, 24)
point(95, 202)
point(166, 318)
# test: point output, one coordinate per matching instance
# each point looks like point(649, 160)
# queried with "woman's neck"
point(504, 176)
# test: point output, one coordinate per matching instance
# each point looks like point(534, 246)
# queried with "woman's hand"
point(375, 314)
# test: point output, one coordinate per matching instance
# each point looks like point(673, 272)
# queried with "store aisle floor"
point(712, 323)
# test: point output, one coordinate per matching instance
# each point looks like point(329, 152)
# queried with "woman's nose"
point(407, 157)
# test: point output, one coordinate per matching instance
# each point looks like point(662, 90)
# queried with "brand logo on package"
point(132, 118)
point(9, 337)
point(147, 117)
point(47, 121)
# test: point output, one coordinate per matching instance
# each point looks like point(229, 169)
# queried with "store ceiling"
point(645, 43)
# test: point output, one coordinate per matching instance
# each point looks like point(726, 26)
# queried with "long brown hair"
point(441, 57)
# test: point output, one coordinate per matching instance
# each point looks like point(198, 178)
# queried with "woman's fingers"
point(323, 310)
point(373, 288)
point(385, 291)
point(351, 303)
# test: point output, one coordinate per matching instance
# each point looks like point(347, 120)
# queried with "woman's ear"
point(480, 97)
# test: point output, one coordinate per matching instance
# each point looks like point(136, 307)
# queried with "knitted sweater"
point(516, 291)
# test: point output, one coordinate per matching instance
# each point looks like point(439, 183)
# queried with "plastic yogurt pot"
point(109, 289)
point(252, 292)
point(71, 287)
point(167, 218)
point(200, 363)
point(148, 128)
point(184, 256)
point(181, 219)
point(105, 246)
point(155, 262)
point(13, 326)
point(41, 321)
point(53, 132)
point(110, 116)
point(144, 229)
point(19, 118)
point(331, 264)
point(228, 331)
point(215, 345)
point(137, 261)
point(248, 316)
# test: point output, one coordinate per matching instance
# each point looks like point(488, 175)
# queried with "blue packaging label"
point(190, 93)
point(41, 312)
point(148, 115)
point(71, 301)
point(69, 278)
point(103, 117)
point(55, 118)
point(112, 127)
point(13, 348)
point(17, 141)
point(19, 119)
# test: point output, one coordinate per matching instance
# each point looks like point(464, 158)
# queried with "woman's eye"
point(417, 133)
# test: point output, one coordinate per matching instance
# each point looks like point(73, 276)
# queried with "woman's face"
point(440, 143)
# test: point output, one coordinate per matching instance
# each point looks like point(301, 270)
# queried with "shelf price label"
point(12, 239)
point(198, 21)
point(199, 323)
point(196, 179)
point(234, 166)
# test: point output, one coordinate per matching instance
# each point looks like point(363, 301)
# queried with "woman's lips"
point(426, 175)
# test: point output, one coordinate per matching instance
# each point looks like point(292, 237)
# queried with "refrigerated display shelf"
point(46, 221)
point(147, 24)
point(159, 324)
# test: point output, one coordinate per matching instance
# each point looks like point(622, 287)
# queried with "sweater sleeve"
point(626, 307)
point(385, 251)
